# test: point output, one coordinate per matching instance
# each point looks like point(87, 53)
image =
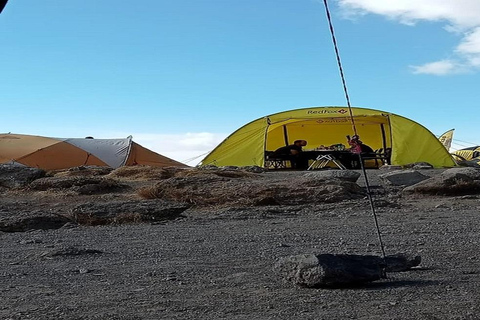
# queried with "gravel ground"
point(218, 264)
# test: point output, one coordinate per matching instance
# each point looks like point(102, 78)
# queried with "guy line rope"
point(367, 185)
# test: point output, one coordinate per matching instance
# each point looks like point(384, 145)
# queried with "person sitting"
point(358, 148)
point(293, 153)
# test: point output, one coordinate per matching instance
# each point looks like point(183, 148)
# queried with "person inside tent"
point(293, 153)
point(357, 147)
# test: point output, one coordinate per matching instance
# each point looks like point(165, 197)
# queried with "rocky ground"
point(201, 244)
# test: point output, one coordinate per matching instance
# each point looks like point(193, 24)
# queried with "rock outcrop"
point(454, 181)
point(14, 175)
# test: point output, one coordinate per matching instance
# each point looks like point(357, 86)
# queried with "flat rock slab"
point(340, 270)
point(347, 175)
point(94, 213)
point(70, 251)
point(403, 177)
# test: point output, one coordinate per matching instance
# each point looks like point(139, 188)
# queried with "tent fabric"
point(446, 139)
point(61, 153)
point(113, 152)
point(409, 141)
point(468, 153)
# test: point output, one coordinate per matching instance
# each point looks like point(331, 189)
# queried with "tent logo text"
point(324, 111)
point(332, 120)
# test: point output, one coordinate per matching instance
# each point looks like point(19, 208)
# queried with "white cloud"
point(443, 67)
point(470, 47)
point(460, 16)
point(189, 148)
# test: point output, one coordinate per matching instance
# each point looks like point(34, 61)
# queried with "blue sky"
point(180, 75)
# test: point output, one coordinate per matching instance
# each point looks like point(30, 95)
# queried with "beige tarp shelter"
point(468, 155)
point(409, 141)
point(58, 153)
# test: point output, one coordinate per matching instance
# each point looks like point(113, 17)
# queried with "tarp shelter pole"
point(3, 3)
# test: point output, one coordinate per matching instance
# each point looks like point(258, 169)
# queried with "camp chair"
point(273, 161)
point(380, 156)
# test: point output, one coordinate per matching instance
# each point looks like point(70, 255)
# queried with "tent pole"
point(384, 138)
point(265, 137)
point(285, 135)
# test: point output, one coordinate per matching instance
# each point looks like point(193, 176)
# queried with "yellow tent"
point(57, 153)
point(409, 141)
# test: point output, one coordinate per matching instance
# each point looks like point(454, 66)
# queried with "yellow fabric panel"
point(275, 137)
point(60, 156)
point(244, 147)
point(14, 146)
point(412, 143)
point(142, 156)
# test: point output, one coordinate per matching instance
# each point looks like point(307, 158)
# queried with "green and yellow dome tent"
point(409, 141)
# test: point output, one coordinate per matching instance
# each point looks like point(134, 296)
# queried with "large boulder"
point(14, 175)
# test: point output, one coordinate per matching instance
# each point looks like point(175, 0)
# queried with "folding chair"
point(275, 162)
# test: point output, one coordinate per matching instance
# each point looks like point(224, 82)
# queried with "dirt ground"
point(217, 263)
